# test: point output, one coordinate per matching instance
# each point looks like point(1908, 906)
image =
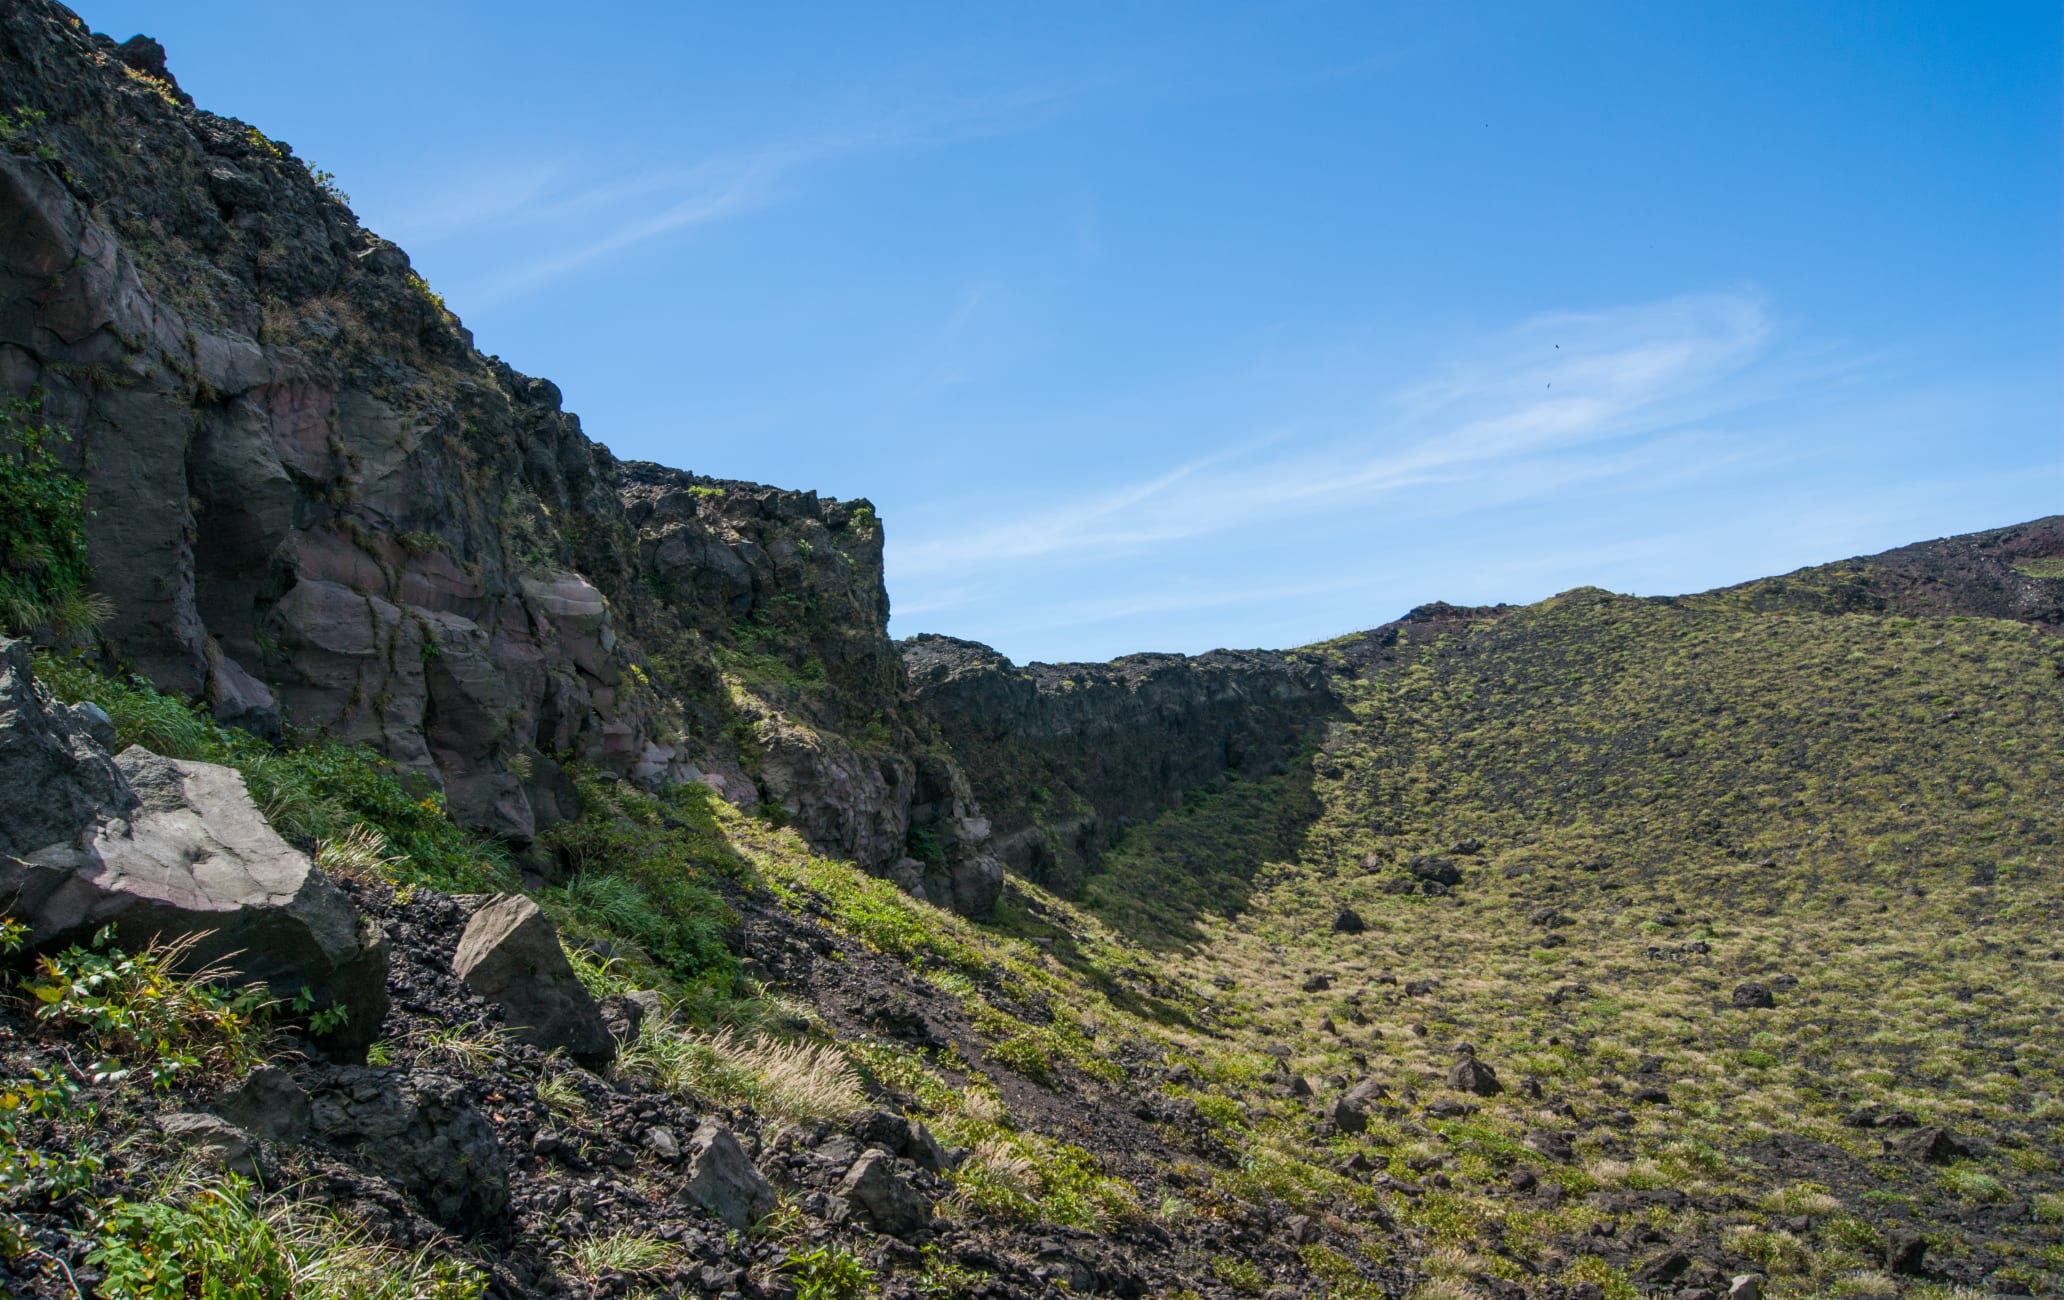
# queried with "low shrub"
point(828, 1271)
point(218, 1238)
point(146, 1011)
point(1020, 1175)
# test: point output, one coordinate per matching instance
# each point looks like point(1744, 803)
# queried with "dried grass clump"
point(793, 1080)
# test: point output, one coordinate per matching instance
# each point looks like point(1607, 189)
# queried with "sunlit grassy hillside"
point(1649, 804)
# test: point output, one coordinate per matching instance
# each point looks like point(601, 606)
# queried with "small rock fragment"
point(879, 1196)
point(1937, 1146)
point(214, 1137)
point(723, 1179)
point(1472, 1075)
point(660, 1141)
point(1752, 996)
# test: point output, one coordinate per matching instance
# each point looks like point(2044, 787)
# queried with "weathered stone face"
point(1108, 743)
point(422, 1131)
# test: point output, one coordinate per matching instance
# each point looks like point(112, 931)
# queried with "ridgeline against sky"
point(1186, 326)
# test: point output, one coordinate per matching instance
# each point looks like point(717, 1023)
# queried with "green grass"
point(793, 1080)
point(219, 1237)
point(1711, 793)
point(43, 562)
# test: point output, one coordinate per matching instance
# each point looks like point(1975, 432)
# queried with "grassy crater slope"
point(1647, 804)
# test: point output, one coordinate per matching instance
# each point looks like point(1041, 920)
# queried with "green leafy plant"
point(828, 1272)
point(208, 1245)
point(940, 1277)
point(264, 145)
point(145, 1009)
point(21, 131)
point(327, 183)
point(321, 1020)
point(924, 845)
point(43, 563)
point(215, 1237)
point(32, 1106)
point(425, 292)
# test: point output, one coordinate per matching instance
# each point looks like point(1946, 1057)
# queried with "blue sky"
point(1177, 326)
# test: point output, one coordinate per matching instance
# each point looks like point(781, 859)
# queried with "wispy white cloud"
point(585, 212)
point(749, 186)
point(1557, 399)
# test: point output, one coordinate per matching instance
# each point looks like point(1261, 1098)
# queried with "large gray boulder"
point(165, 850)
point(510, 955)
point(723, 1179)
point(195, 858)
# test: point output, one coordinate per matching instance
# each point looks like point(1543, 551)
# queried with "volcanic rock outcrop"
point(315, 501)
point(1061, 755)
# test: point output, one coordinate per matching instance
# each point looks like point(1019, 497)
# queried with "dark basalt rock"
point(723, 1180)
point(880, 1195)
point(1752, 996)
point(1473, 1076)
point(270, 1104)
point(313, 497)
point(1435, 870)
point(1906, 1255)
point(1937, 1146)
point(420, 1129)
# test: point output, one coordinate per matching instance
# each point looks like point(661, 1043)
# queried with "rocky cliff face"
point(315, 501)
point(1063, 755)
point(767, 612)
